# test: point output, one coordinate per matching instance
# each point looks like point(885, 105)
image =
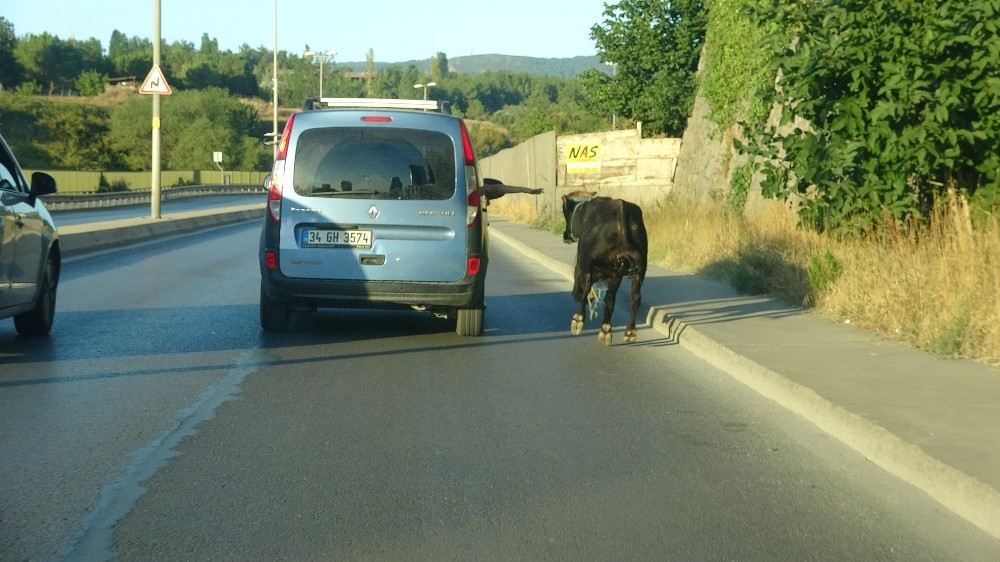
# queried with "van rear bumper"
point(329, 293)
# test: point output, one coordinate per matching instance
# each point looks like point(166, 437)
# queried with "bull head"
point(571, 201)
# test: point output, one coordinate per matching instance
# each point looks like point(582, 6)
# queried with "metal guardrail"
point(74, 201)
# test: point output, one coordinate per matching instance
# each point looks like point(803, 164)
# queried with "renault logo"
point(373, 212)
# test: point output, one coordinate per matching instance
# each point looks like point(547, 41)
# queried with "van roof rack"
point(377, 103)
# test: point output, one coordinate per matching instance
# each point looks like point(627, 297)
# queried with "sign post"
point(217, 160)
point(156, 85)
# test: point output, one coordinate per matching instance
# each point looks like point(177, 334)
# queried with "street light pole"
point(321, 55)
point(425, 87)
point(274, 84)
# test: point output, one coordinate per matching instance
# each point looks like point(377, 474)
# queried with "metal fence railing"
point(73, 181)
point(73, 201)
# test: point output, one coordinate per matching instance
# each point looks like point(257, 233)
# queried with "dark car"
point(375, 203)
point(29, 248)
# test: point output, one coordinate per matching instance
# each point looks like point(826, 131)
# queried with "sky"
point(396, 30)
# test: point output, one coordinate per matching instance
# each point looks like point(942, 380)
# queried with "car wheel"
point(274, 315)
point(38, 320)
point(469, 322)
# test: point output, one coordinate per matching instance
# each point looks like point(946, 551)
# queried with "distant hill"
point(478, 64)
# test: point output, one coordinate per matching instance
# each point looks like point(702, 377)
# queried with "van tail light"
point(271, 259)
point(473, 268)
point(471, 178)
point(472, 210)
point(274, 192)
point(274, 199)
point(286, 137)
point(470, 155)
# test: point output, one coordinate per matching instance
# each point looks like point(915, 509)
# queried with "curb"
point(81, 239)
point(960, 493)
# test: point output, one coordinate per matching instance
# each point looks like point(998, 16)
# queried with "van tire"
point(274, 316)
point(469, 322)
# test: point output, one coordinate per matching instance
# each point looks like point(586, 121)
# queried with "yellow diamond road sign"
point(155, 83)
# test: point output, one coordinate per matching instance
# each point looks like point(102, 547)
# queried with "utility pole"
point(274, 84)
point(154, 196)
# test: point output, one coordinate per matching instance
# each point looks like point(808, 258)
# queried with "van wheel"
point(469, 322)
point(38, 320)
point(274, 315)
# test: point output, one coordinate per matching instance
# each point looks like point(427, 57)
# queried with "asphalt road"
point(158, 422)
point(82, 216)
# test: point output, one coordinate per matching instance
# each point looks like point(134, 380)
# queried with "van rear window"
point(374, 163)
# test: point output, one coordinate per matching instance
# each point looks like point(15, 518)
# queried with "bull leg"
point(609, 308)
point(581, 288)
point(634, 301)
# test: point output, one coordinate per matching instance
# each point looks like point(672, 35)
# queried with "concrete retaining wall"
point(614, 163)
point(618, 164)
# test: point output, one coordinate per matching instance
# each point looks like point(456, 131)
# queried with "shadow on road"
point(109, 344)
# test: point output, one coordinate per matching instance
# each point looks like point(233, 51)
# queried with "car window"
point(369, 163)
point(9, 178)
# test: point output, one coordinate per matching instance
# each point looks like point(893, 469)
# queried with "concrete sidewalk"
point(933, 422)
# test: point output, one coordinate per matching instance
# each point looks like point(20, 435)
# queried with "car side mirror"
point(267, 182)
point(42, 184)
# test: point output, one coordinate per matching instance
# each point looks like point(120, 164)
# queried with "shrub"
point(884, 105)
point(824, 270)
point(103, 186)
point(91, 83)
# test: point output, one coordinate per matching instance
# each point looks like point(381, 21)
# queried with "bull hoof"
point(605, 335)
point(630, 335)
point(576, 325)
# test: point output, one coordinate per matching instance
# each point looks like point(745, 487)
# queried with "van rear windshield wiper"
point(353, 193)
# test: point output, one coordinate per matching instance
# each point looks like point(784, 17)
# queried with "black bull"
point(611, 245)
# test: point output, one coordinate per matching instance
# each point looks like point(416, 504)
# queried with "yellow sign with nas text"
point(583, 158)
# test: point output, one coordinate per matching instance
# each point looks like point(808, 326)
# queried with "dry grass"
point(110, 98)
point(518, 208)
point(935, 285)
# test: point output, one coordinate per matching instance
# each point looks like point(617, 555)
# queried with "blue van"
point(375, 203)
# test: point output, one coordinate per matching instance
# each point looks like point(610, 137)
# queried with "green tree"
point(79, 139)
point(11, 71)
point(39, 56)
point(51, 61)
point(298, 79)
point(439, 67)
point(654, 46)
point(369, 70)
point(131, 131)
point(489, 138)
point(195, 123)
point(90, 83)
point(56, 134)
point(129, 56)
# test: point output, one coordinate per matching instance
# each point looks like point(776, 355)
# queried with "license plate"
point(332, 238)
